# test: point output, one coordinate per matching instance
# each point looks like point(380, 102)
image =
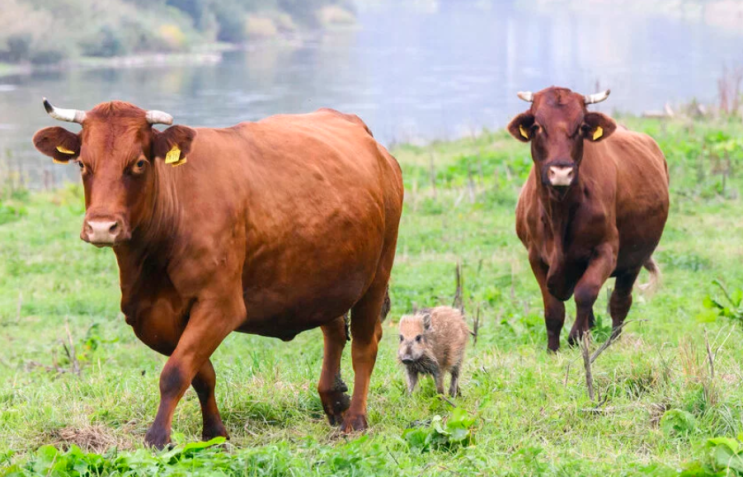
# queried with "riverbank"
point(523, 411)
point(130, 32)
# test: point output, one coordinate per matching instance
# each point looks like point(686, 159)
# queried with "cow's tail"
point(386, 305)
point(655, 277)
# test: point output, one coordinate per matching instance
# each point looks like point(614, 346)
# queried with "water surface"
point(429, 70)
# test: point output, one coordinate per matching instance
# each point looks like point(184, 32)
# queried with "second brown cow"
point(594, 206)
point(272, 228)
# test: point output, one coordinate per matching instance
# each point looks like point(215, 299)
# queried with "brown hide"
point(272, 227)
point(607, 222)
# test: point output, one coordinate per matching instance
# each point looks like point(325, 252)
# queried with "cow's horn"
point(596, 97)
point(69, 115)
point(158, 117)
point(526, 96)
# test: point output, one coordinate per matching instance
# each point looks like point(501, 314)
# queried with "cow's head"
point(557, 124)
point(119, 154)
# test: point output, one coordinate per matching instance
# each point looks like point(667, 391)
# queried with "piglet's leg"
point(588, 288)
point(210, 322)
point(454, 386)
point(438, 377)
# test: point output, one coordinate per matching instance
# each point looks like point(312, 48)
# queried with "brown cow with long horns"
point(272, 228)
point(594, 206)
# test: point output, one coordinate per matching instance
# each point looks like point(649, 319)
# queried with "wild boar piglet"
point(432, 341)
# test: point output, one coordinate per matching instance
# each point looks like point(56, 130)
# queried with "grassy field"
point(659, 411)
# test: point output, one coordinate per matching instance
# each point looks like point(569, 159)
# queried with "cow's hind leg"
point(621, 300)
point(331, 387)
point(366, 331)
point(204, 383)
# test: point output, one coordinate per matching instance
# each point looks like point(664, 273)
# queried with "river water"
point(429, 69)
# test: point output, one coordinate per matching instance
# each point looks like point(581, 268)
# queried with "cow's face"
point(557, 124)
point(119, 155)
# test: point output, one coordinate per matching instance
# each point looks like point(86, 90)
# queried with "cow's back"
point(317, 201)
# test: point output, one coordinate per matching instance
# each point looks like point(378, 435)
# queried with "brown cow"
point(271, 228)
point(594, 206)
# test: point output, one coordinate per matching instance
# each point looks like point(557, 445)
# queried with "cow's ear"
point(520, 127)
point(58, 143)
point(597, 126)
point(173, 144)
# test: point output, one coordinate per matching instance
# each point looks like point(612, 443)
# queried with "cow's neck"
point(154, 237)
point(559, 211)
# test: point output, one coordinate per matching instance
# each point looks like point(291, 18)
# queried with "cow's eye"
point(139, 166)
point(81, 165)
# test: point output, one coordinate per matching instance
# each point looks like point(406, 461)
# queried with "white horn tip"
point(597, 97)
point(158, 117)
point(526, 96)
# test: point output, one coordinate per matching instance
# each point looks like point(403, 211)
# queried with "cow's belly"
point(305, 283)
point(277, 311)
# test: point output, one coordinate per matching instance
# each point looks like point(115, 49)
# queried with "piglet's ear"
point(427, 321)
point(58, 143)
point(174, 144)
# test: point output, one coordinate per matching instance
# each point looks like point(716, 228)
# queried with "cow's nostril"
point(114, 227)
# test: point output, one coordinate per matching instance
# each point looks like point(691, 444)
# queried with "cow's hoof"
point(335, 405)
point(157, 438)
point(575, 339)
point(216, 430)
point(354, 423)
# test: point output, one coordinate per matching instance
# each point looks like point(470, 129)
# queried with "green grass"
point(523, 411)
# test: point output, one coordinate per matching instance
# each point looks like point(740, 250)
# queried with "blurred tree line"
point(49, 31)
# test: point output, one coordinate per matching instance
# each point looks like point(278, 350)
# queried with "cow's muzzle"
point(104, 232)
point(561, 176)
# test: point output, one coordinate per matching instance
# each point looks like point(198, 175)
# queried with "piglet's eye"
point(401, 338)
point(418, 338)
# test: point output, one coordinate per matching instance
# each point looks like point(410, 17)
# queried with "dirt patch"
point(96, 439)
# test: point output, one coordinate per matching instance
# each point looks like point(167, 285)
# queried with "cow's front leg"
point(554, 309)
point(587, 290)
point(211, 320)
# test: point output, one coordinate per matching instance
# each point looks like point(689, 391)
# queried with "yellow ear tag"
point(598, 132)
point(59, 162)
point(180, 163)
point(173, 156)
point(64, 150)
point(523, 131)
